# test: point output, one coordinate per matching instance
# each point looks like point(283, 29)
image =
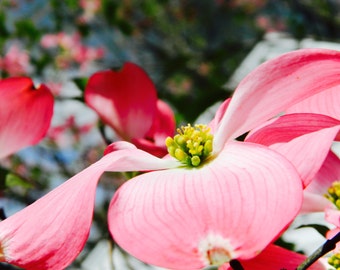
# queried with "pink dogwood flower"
point(210, 202)
point(25, 114)
point(71, 50)
point(16, 61)
point(126, 100)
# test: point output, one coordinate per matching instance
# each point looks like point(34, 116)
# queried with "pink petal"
point(328, 173)
point(304, 139)
point(275, 86)
point(25, 114)
point(150, 147)
point(314, 199)
point(288, 127)
point(276, 258)
point(332, 215)
point(214, 124)
point(244, 197)
point(326, 103)
point(51, 232)
point(124, 99)
point(120, 145)
point(163, 126)
point(313, 203)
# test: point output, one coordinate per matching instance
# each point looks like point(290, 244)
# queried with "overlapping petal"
point(275, 86)
point(125, 100)
point(314, 200)
point(304, 139)
point(25, 114)
point(165, 217)
point(326, 103)
point(51, 232)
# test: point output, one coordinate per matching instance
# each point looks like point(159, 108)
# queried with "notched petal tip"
point(25, 114)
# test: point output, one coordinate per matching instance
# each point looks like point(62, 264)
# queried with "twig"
point(328, 246)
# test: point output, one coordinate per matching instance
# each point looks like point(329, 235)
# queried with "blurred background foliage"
point(189, 48)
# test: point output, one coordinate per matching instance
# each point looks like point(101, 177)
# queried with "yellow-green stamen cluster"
point(191, 145)
point(335, 261)
point(334, 194)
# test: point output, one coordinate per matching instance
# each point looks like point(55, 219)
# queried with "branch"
point(328, 246)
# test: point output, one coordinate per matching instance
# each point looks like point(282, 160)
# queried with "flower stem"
point(328, 246)
point(103, 133)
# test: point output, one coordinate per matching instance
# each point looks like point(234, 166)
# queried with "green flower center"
point(335, 261)
point(192, 145)
point(334, 194)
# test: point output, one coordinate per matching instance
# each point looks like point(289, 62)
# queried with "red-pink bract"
point(25, 114)
point(126, 100)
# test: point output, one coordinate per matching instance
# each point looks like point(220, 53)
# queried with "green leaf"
point(13, 180)
point(26, 28)
point(81, 83)
point(3, 174)
point(3, 29)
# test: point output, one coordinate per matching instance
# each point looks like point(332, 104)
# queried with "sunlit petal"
point(275, 86)
point(304, 139)
point(326, 103)
point(169, 218)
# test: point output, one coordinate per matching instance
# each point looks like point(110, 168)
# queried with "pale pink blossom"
point(16, 61)
point(72, 50)
point(90, 8)
point(68, 132)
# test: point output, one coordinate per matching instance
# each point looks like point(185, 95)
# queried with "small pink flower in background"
point(68, 132)
point(55, 87)
point(15, 62)
point(90, 8)
point(86, 55)
point(269, 24)
point(126, 100)
point(72, 50)
point(25, 114)
point(215, 201)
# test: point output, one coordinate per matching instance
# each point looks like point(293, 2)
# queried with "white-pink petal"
point(275, 86)
point(326, 103)
point(244, 197)
point(304, 139)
